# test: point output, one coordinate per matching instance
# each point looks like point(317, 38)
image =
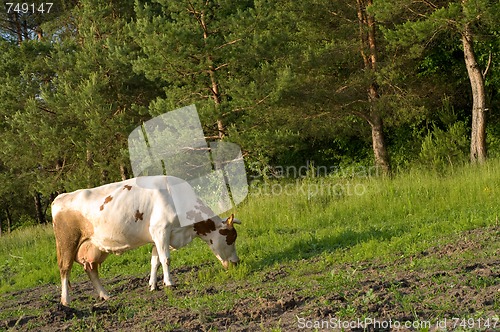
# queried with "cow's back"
point(120, 213)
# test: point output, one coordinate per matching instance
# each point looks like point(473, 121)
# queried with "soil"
point(382, 298)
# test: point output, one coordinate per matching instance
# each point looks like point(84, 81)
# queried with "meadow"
point(350, 245)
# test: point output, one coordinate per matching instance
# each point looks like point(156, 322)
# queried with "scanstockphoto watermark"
point(442, 324)
point(313, 180)
point(337, 324)
point(296, 187)
point(310, 170)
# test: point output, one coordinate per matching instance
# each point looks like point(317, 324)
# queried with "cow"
point(89, 224)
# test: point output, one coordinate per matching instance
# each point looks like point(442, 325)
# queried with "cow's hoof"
point(63, 307)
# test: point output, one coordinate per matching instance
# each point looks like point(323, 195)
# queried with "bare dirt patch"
point(468, 285)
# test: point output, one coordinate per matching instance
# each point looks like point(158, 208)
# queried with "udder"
point(90, 256)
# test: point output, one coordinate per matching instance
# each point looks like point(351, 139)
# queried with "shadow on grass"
point(314, 246)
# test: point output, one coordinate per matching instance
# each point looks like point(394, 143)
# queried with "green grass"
point(393, 217)
point(337, 220)
point(27, 258)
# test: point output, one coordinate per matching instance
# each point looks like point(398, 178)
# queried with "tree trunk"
point(18, 28)
point(40, 215)
point(123, 172)
point(9, 220)
point(214, 88)
point(25, 30)
point(368, 50)
point(478, 128)
point(379, 146)
point(217, 101)
point(39, 33)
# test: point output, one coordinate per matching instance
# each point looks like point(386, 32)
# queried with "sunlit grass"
point(27, 258)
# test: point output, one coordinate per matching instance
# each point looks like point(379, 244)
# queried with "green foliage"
point(493, 137)
point(215, 54)
point(442, 148)
point(445, 148)
point(66, 111)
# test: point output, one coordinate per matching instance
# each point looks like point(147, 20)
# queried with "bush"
point(445, 147)
point(26, 221)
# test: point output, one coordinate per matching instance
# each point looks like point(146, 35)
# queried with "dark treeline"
point(390, 83)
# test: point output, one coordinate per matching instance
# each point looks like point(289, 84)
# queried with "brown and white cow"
point(91, 223)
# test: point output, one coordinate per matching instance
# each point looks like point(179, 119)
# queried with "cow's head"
point(221, 238)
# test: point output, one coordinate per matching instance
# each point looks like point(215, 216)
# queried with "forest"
point(394, 84)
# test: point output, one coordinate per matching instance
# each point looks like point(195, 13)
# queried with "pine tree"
point(70, 101)
point(335, 88)
point(200, 51)
point(19, 88)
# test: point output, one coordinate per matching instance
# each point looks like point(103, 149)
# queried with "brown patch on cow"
point(106, 201)
point(211, 242)
point(203, 208)
point(202, 228)
point(127, 187)
point(138, 215)
point(199, 212)
point(71, 229)
point(194, 215)
point(230, 235)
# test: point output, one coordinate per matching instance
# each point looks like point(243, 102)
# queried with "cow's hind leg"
point(91, 257)
point(155, 263)
point(66, 247)
point(65, 271)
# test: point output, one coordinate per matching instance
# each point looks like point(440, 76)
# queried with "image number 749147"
point(26, 7)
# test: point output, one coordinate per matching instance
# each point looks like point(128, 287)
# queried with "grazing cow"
point(91, 223)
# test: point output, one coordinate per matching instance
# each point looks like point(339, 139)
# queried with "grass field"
point(310, 236)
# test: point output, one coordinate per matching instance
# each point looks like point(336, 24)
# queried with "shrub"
point(445, 147)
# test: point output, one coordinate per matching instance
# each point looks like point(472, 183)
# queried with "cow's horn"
point(229, 221)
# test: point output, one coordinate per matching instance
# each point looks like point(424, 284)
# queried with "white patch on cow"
point(64, 291)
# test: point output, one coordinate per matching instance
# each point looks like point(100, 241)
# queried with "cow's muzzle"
point(228, 264)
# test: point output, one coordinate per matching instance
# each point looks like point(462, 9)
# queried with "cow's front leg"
point(155, 263)
point(161, 239)
point(164, 256)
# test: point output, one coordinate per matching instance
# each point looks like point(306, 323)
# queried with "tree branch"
point(221, 66)
point(430, 4)
point(228, 43)
point(485, 72)
point(46, 110)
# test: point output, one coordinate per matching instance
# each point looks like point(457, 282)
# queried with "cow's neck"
point(205, 229)
point(182, 236)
